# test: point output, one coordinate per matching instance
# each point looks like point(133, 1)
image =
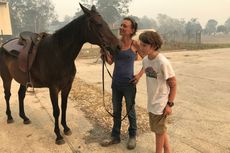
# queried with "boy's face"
point(146, 48)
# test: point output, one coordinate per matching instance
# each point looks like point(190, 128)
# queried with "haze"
point(181, 9)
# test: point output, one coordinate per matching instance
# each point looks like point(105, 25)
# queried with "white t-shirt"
point(157, 72)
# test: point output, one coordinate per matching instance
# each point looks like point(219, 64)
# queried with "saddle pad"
point(12, 45)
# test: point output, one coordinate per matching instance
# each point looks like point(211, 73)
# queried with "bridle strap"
point(99, 35)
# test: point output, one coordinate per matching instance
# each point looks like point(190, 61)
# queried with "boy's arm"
point(172, 85)
point(172, 94)
point(138, 49)
point(138, 76)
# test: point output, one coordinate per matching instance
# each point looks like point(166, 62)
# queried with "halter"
point(99, 35)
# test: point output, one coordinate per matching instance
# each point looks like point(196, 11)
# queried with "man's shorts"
point(157, 123)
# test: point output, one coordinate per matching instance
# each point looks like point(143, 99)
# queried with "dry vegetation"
point(89, 99)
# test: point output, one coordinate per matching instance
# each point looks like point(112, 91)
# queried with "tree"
point(221, 28)
point(171, 29)
point(111, 10)
point(192, 28)
point(122, 6)
point(109, 13)
point(210, 27)
point(227, 25)
point(147, 23)
point(27, 15)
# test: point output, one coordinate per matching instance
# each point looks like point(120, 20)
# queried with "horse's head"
point(98, 32)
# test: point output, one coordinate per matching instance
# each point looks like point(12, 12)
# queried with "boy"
point(161, 87)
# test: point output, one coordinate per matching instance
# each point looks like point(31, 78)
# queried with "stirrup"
point(29, 84)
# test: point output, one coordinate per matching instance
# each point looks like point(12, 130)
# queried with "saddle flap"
point(24, 58)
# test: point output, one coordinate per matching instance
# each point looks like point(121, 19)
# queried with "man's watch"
point(170, 103)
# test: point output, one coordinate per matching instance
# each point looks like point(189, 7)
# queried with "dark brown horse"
point(53, 66)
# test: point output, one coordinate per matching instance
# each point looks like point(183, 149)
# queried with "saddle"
point(25, 48)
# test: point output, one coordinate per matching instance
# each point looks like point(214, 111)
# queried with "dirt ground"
point(199, 123)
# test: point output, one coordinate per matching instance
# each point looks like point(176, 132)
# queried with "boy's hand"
point(167, 110)
point(135, 79)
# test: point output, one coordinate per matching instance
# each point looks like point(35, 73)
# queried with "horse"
point(53, 66)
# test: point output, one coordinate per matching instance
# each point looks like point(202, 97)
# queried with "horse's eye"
point(97, 23)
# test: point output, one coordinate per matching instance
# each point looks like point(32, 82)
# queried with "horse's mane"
point(70, 30)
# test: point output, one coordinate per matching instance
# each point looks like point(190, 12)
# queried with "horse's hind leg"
point(64, 96)
point(21, 97)
point(7, 85)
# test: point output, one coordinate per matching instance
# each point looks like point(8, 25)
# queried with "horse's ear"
point(93, 8)
point(84, 9)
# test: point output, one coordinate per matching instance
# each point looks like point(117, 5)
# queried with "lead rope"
point(103, 90)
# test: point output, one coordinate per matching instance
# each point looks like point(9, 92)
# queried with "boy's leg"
point(159, 142)
point(162, 141)
point(158, 126)
point(166, 144)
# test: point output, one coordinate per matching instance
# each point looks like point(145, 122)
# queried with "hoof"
point(10, 121)
point(27, 121)
point(68, 132)
point(60, 142)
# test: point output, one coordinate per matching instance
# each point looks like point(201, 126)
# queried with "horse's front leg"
point(64, 96)
point(56, 111)
point(21, 97)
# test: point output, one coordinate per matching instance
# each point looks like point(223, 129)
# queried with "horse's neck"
point(71, 38)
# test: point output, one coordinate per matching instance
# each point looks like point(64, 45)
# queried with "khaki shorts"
point(157, 123)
